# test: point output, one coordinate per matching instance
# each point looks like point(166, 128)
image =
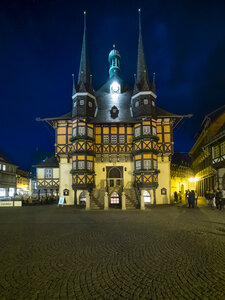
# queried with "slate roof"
point(3, 158)
point(50, 162)
point(211, 117)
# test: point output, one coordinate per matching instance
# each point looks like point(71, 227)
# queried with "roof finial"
point(139, 13)
point(153, 80)
point(114, 46)
point(85, 20)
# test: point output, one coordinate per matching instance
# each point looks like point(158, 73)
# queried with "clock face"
point(115, 87)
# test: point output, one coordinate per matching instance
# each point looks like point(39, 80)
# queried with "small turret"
point(114, 62)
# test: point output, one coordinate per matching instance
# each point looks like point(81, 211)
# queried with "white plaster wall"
point(164, 181)
point(40, 173)
point(55, 172)
point(65, 180)
point(128, 177)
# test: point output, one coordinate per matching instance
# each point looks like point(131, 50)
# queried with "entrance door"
point(114, 176)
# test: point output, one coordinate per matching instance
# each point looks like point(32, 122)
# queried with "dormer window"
point(136, 103)
point(145, 101)
point(153, 103)
point(81, 102)
point(90, 104)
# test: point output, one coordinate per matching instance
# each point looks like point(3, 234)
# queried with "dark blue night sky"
point(40, 48)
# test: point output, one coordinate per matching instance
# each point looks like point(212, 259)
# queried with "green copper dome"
point(114, 62)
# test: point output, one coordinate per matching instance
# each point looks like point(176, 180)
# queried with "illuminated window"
point(216, 151)
point(106, 138)
point(74, 131)
point(147, 164)
point(90, 165)
point(74, 165)
point(222, 147)
point(90, 131)
point(90, 104)
point(122, 139)
point(153, 130)
point(11, 192)
point(153, 103)
point(2, 192)
point(114, 139)
point(145, 101)
point(138, 164)
point(81, 165)
point(147, 197)
point(4, 167)
point(137, 131)
point(48, 173)
point(81, 130)
point(0, 166)
point(136, 103)
point(146, 129)
point(114, 199)
point(155, 164)
point(81, 102)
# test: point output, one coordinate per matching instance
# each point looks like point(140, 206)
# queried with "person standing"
point(217, 198)
point(196, 198)
point(175, 197)
point(222, 199)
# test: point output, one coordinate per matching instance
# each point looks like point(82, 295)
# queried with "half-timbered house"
point(114, 147)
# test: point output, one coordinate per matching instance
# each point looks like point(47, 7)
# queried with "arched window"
point(114, 199)
point(82, 198)
point(147, 197)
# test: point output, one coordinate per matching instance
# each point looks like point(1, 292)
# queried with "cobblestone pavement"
point(62, 253)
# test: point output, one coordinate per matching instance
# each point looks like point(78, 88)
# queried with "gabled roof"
point(4, 159)
point(50, 162)
point(213, 116)
point(182, 159)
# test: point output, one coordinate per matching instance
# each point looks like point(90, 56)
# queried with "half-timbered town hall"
point(114, 148)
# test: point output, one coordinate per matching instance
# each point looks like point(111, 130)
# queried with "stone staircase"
point(132, 202)
point(97, 199)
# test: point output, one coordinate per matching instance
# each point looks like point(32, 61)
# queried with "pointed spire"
point(153, 83)
point(84, 76)
point(142, 74)
point(73, 88)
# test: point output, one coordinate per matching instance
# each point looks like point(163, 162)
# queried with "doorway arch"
point(82, 198)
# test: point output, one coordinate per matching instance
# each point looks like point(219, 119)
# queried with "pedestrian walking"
point(175, 197)
point(191, 199)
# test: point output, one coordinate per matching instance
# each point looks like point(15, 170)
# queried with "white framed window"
point(137, 131)
point(153, 103)
point(122, 139)
point(155, 164)
point(153, 130)
point(113, 139)
point(90, 132)
point(81, 130)
point(145, 101)
point(90, 165)
point(105, 138)
point(147, 164)
point(4, 167)
point(81, 165)
point(82, 102)
point(74, 165)
point(90, 104)
point(138, 164)
point(48, 173)
point(146, 129)
point(147, 197)
point(114, 199)
point(136, 104)
point(2, 192)
point(74, 131)
point(11, 192)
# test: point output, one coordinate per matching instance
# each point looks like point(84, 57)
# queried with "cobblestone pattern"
point(163, 253)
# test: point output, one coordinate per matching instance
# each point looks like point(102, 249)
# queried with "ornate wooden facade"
point(115, 126)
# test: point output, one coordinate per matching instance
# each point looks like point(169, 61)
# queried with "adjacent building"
point(208, 153)
point(23, 183)
point(114, 148)
point(7, 178)
point(182, 175)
